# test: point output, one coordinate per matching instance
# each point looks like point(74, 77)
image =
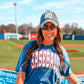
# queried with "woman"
point(43, 60)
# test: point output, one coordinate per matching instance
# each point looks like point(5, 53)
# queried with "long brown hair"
point(56, 44)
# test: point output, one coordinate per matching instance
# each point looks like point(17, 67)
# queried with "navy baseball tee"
point(44, 65)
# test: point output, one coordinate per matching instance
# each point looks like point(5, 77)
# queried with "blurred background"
point(19, 21)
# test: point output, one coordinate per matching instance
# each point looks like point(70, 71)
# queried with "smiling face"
point(49, 32)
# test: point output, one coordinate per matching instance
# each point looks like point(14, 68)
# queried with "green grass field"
point(9, 53)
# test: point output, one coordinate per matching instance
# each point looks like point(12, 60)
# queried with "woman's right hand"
point(20, 77)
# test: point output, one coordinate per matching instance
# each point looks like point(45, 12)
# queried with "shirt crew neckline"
point(47, 45)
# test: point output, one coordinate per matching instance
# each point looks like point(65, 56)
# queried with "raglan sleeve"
point(23, 58)
point(67, 71)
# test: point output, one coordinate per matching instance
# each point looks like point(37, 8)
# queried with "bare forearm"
point(20, 78)
point(72, 79)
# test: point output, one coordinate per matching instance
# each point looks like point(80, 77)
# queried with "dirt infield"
point(0, 40)
point(64, 45)
point(74, 58)
point(71, 50)
point(20, 46)
point(7, 68)
point(78, 73)
point(72, 45)
point(68, 50)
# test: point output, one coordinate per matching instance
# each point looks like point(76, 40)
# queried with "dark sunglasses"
point(45, 27)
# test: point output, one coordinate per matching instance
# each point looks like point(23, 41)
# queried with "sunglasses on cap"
point(46, 27)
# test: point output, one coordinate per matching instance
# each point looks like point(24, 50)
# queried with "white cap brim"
point(42, 24)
